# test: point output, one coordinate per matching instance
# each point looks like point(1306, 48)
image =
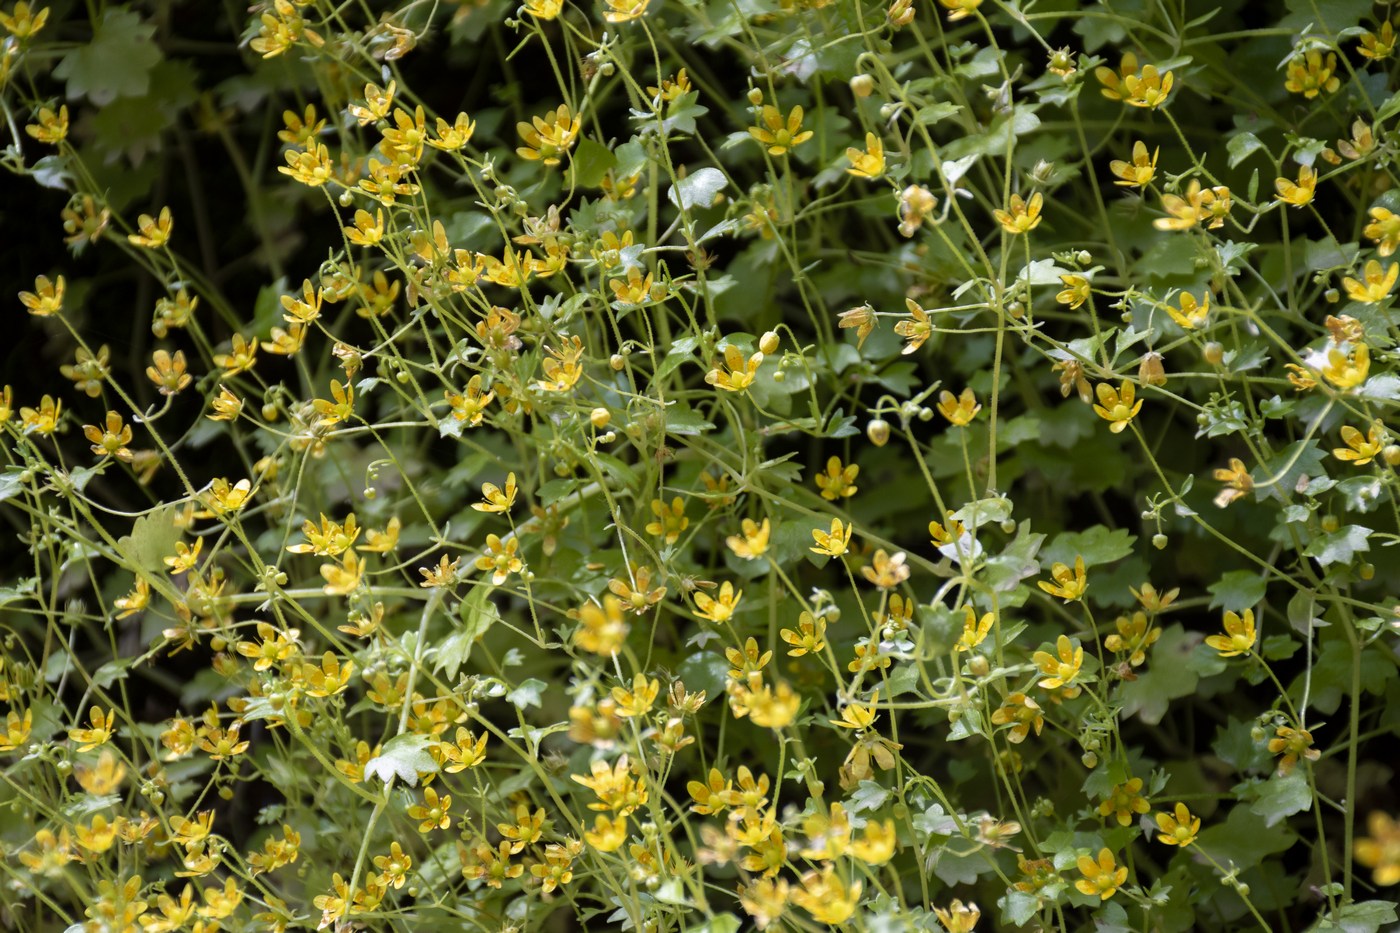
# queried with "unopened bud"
point(617, 362)
point(755, 96)
point(1151, 373)
point(769, 342)
point(1213, 353)
point(600, 417)
point(878, 430)
point(1159, 541)
point(862, 85)
point(978, 665)
point(1391, 455)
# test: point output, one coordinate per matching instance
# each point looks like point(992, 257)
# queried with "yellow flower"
point(886, 571)
point(638, 701)
point(1133, 638)
point(1362, 142)
point(1023, 713)
point(809, 638)
point(500, 558)
point(1069, 584)
point(52, 128)
point(545, 9)
point(1346, 372)
point(224, 496)
point(1123, 801)
point(16, 730)
point(1060, 669)
point(135, 601)
point(1140, 171)
point(960, 9)
point(915, 331)
point(670, 520)
point(878, 843)
point(607, 835)
point(1292, 744)
point(1311, 74)
point(342, 578)
point(433, 811)
point(1377, 47)
point(155, 232)
point(718, 610)
point(741, 372)
point(835, 542)
point(753, 543)
point(620, 11)
point(1021, 216)
point(602, 629)
point(1378, 283)
point(1239, 635)
point(240, 358)
point(1138, 89)
point(470, 407)
point(863, 320)
point(1298, 193)
point(331, 540)
point(1360, 449)
point(497, 500)
point(777, 135)
point(1379, 849)
point(915, 204)
point(111, 439)
point(1116, 407)
point(47, 297)
point(226, 405)
point(1193, 313)
point(838, 482)
point(1384, 228)
point(871, 162)
point(102, 727)
point(826, 898)
point(959, 410)
point(1199, 204)
point(975, 630)
point(168, 371)
point(959, 917)
point(1238, 482)
point(1075, 292)
point(44, 419)
point(24, 21)
point(547, 139)
point(1103, 877)
point(1179, 829)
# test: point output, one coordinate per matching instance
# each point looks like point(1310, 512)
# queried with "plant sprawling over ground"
point(679, 466)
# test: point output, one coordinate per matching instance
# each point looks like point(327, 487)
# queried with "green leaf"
point(704, 670)
point(527, 694)
point(478, 613)
point(868, 795)
point(1241, 146)
point(684, 421)
point(1340, 546)
point(1097, 545)
point(1361, 917)
point(698, 189)
point(1237, 590)
point(1018, 907)
point(1282, 797)
point(1244, 839)
point(404, 756)
point(152, 539)
point(116, 63)
point(591, 163)
point(1167, 678)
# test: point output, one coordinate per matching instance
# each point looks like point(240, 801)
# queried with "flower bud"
point(769, 342)
point(600, 417)
point(1213, 353)
point(1391, 454)
point(617, 362)
point(1159, 541)
point(1151, 373)
point(878, 430)
point(978, 665)
point(862, 85)
point(1090, 760)
point(755, 96)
